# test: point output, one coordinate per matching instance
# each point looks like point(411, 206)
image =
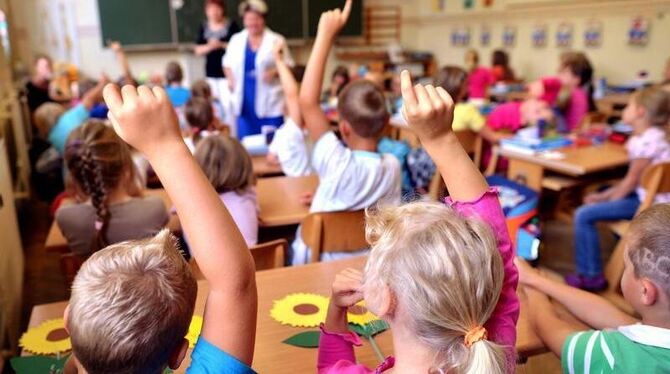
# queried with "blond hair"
point(656, 102)
point(131, 306)
point(649, 245)
point(226, 163)
point(46, 116)
point(446, 272)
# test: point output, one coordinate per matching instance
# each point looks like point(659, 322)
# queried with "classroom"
point(334, 186)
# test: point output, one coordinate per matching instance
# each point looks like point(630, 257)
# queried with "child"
point(479, 79)
point(338, 80)
point(466, 116)
point(289, 145)
point(442, 276)
point(132, 303)
point(648, 112)
point(203, 90)
point(501, 70)
point(228, 167)
point(174, 76)
point(353, 177)
point(620, 343)
point(55, 123)
point(200, 118)
point(513, 115)
point(109, 205)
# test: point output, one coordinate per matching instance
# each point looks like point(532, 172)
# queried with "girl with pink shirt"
point(479, 78)
point(441, 275)
point(575, 99)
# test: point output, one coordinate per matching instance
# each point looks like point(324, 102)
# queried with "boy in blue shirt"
point(132, 302)
point(177, 93)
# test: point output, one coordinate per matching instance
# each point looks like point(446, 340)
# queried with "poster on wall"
point(488, 3)
point(564, 35)
point(460, 36)
point(439, 5)
point(539, 35)
point(638, 34)
point(509, 36)
point(468, 4)
point(485, 36)
point(593, 34)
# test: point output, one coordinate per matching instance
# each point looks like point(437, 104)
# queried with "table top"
point(279, 199)
point(262, 168)
point(578, 161)
point(271, 355)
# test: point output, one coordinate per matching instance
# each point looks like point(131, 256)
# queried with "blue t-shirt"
point(69, 121)
point(178, 95)
point(208, 359)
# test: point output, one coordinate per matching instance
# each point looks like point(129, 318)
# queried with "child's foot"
point(588, 283)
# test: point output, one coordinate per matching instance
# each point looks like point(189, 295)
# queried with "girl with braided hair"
point(108, 206)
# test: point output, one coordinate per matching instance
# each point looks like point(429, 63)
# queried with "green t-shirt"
point(610, 351)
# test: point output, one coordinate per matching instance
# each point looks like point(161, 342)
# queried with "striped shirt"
point(629, 349)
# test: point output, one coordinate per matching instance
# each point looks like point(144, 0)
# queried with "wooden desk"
point(271, 355)
point(263, 169)
point(279, 199)
point(56, 242)
point(578, 162)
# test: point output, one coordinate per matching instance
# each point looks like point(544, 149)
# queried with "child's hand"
point(347, 288)
point(527, 274)
point(143, 118)
point(278, 50)
point(272, 159)
point(116, 46)
point(594, 198)
point(332, 21)
point(428, 111)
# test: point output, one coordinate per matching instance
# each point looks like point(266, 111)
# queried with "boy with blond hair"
point(621, 343)
point(132, 303)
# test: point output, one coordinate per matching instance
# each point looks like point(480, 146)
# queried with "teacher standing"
point(212, 41)
point(257, 97)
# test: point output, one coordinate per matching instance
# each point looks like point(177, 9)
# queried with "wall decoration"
point(638, 34)
point(439, 5)
point(485, 36)
point(468, 4)
point(564, 35)
point(460, 36)
point(539, 35)
point(488, 3)
point(509, 36)
point(593, 34)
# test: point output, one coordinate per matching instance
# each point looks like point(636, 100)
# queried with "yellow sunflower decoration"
point(49, 338)
point(360, 315)
point(194, 330)
point(300, 310)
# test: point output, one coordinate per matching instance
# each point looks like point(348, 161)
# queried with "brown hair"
point(99, 161)
point(226, 163)
point(363, 105)
point(46, 116)
point(453, 80)
point(173, 73)
point(500, 58)
point(199, 113)
point(202, 89)
point(131, 306)
point(649, 245)
point(580, 66)
point(656, 103)
point(218, 3)
point(341, 71)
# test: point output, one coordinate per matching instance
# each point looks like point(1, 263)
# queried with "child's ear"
point(649, 294)
point(66, 314)
point(345, 129)
point(387, 302)
point(178, 355)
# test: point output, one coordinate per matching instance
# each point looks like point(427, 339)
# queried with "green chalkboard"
point(190, 17)
point(353, 28)
point(136, 22)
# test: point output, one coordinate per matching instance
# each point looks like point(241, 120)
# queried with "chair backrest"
point(270, 255)
point(70, 264)
point(472, 143)
point(655, 180)
point(334, 232)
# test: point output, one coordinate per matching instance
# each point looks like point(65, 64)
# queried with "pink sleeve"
point(579, 106)
point(336, 354)
point(502, 324)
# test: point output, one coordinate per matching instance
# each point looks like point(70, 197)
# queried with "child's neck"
point(118, 195)
point(640, 126)
point(411, 356)
point(362, 144)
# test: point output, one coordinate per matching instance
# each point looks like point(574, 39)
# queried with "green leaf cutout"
point(307, 339)
point(37, 364)
point(370, 329)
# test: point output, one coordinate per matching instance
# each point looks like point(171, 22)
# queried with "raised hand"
point(143, 118)
point(429, 111)
point(347, 290)
point(332, 21)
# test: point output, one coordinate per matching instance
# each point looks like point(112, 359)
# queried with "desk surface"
point(279, 199)
point(578, 161)
point(271, 355)
point(262, 168)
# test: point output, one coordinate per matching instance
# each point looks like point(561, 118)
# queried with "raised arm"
point(552, 330)
point(594, 310)
point(288, 83)
point(94, 95)
point(429, 112)
point(330, 24)
point(145, 119)
point(123, 61)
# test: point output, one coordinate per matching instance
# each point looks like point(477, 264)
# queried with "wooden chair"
point(70, 264)
point(334, 232)
point(655, 180)
point(270, 255)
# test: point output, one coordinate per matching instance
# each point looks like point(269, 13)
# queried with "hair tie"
point(98, 225)
point(475, 335)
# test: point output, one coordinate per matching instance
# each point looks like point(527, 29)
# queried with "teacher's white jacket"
point(269, 96)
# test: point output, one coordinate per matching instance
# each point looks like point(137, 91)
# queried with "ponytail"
point(486, 356)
